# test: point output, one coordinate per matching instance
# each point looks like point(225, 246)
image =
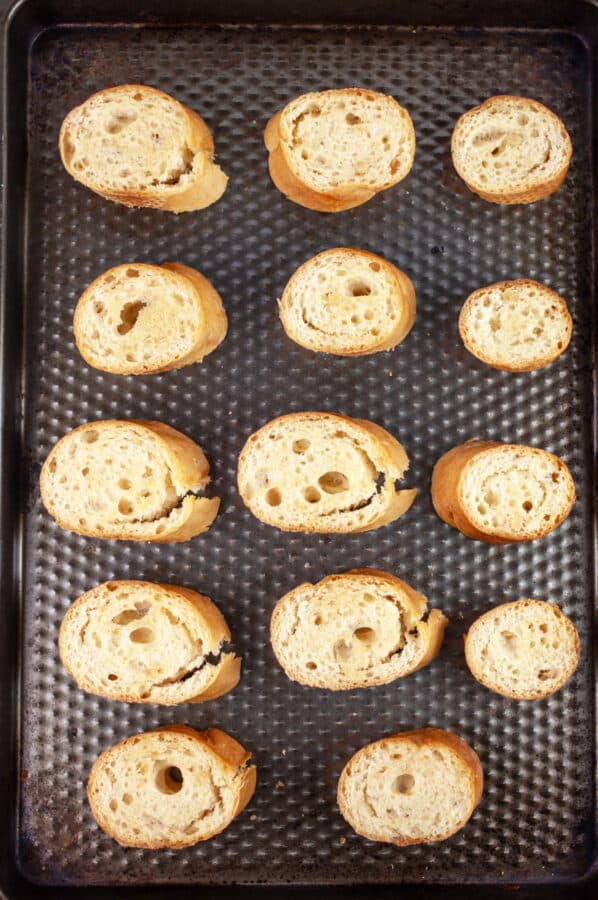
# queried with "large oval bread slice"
point(129, 480)
point(136, 145)
point(415, 787)
point(348, 302)
point(515, 325)
point(172, 787)
point(359, 629)
point(333, 150)
point(526, 650)
point(323, 472)
point(502, 493)
point(511, 150)
point(137, 318)
point(148, 643)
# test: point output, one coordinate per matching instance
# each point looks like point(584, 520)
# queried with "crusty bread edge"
point(540, 361)
point(422, 737)
point(523, 695)
point(529, 195)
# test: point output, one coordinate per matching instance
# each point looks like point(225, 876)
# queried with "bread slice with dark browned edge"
point(333, 150)
point(141, 642)
point(138, 146)
point(357, 629)
point(137, 319)
point(516, 326)
point(323, 472)
point(511, 150)
point(502, 493)
point(416, 787)
point(525, 650)
point(170, 788)
point(348, 302)
point(128, 480)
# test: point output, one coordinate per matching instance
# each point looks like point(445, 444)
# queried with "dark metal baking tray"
point(535, 828)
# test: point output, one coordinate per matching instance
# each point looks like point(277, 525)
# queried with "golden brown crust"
point(190, 473)
point(450, 505)
point(401, 329)
point(533, 193)
point(421, 737)
point(208, 186)
point(522, 695)
point(540, 361)
point(228, 754)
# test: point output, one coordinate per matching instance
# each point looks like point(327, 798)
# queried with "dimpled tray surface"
point(535, 818)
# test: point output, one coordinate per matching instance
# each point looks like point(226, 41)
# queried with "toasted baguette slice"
point(515, 325)
point(348, 302)
point(511, 150)
point(323, 472)
point(333, 150)
point(148, 643)
point(355, 630)
point(131, 481)
point(136, 318)
point(526, 650)
point(501, 493)
point(415, 787)
point(172, 787)
point(137, 146)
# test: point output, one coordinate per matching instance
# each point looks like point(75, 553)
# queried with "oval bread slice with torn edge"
point(336, 149)
point(502, 493)
point(415, 787)
point(137, 146)
point(516, 326)
point(136, 319)
point(128, 480)
point(511, 150)
point(525, 650)
point(148, 643)
point(355, 630)
point(170, 788)
point(323, 472)
point(348, 302)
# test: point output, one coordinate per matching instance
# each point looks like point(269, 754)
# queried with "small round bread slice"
point(148, 643)
point(415, 787)
point(137, 146)
point(336, 149)
point(128, 480)
point(348, 302)
point(170, 788)
point(502, 493)
point(515, 325)
point(137, 318)
point(526, 650)
point(359, 629)
point(511, 150)
point(323, 472)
